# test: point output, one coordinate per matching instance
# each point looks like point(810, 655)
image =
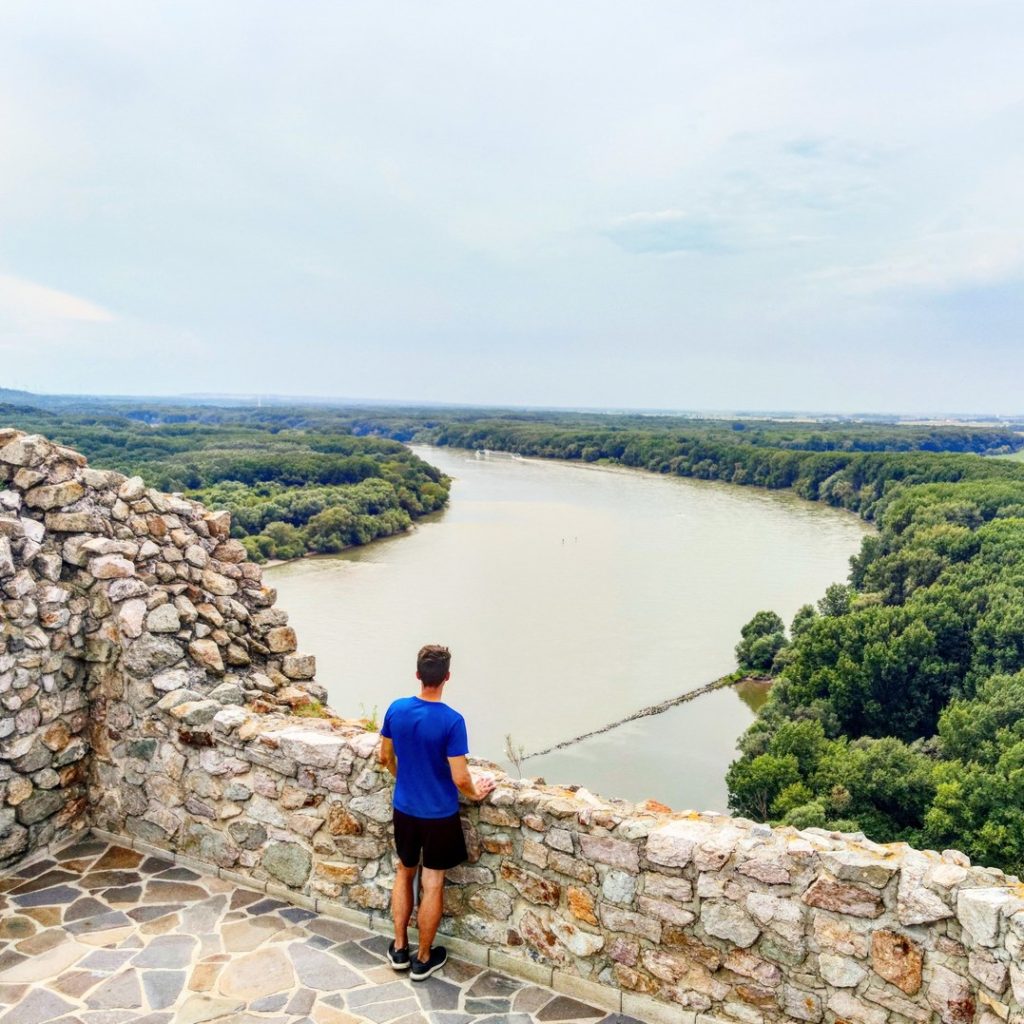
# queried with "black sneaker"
point(399, 958)
point(423, 969)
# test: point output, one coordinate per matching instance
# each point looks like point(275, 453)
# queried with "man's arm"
point(466, 785)
point(386, 755)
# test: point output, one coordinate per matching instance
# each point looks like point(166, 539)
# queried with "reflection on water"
point(753, 693)
point(571, 595)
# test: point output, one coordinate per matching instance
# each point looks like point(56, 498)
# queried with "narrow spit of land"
point(733, 679)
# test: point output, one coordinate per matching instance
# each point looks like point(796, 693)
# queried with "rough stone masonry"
point(151, 689)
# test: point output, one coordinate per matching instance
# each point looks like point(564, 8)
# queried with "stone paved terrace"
point(97, 933)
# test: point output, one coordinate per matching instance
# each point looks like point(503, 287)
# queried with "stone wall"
point(136, 607)
point(113, 594)
point(44, 723)
point(702, 913)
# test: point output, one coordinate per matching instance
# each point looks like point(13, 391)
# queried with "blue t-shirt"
point(425, 734)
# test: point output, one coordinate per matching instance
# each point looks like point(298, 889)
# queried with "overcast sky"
point(647, 204)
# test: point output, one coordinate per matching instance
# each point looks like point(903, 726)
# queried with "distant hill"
point(30, 400)
point(8, 396)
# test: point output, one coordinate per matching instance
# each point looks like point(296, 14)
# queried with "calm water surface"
point(571, 595)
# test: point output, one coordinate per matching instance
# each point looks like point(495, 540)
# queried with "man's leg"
point(428, 917)
point(401, 904)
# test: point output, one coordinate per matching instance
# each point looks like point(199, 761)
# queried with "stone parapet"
point(701, 912)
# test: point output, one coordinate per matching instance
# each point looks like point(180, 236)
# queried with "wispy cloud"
point(29, 302)
point(667, 231)
point(760, 191)
point(940, 261)
point(837, 150)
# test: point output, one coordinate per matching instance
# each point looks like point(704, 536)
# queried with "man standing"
point(423, 744)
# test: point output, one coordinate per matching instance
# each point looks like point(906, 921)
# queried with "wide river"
point(571, 595)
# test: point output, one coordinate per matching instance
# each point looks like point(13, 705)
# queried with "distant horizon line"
point(340, 401)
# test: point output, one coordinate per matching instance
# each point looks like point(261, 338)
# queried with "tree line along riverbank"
point(294, 483)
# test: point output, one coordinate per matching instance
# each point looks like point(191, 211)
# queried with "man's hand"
point(469, 787)
point(483, 783)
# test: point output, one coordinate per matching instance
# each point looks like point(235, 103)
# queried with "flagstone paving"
point(101, 934)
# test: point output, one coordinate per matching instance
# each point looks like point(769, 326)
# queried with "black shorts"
point(440, 840)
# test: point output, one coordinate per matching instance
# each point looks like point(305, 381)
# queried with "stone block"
point(861, 866)
point(208, 846)
point(572, 867)
point(843, 898)
point(342, 874)
point(619, 886)
point(616, 919)
point(492, 903)
point(912, 1009)
point(50, 496)
point(916, 904)
point(299, 666)
point(218, 584)
point(313, 747)
point(772, 870)
point(672, 845)
point(150, 654)
point(749, 965)
point(950, 996)
point(848, 1007)
point(206, 654)
point(111, 567)
point(368, 848)
point(666, 886)
point(195, 713)
point(980, 912)
point(248, 835)
point(615, 852)
point(666, 911)
point(281, 640)
point(559, 839)
point(39, 806)
point(535, 853)
point(535, 888)
point(164, 619)
point(288, 862)
point(897, 959)
point(840, 971)
point(729, 921)
point(804, 1005)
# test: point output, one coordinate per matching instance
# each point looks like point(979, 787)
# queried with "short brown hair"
point(432, 664)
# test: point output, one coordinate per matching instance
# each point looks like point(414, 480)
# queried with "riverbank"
point(308, 556)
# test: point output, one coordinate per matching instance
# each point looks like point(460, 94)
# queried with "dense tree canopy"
point(761, 639)
point(294, 484)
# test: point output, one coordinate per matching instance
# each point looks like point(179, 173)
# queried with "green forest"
point(295, 484)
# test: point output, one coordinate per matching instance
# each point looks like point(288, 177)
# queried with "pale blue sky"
point(645, 204)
